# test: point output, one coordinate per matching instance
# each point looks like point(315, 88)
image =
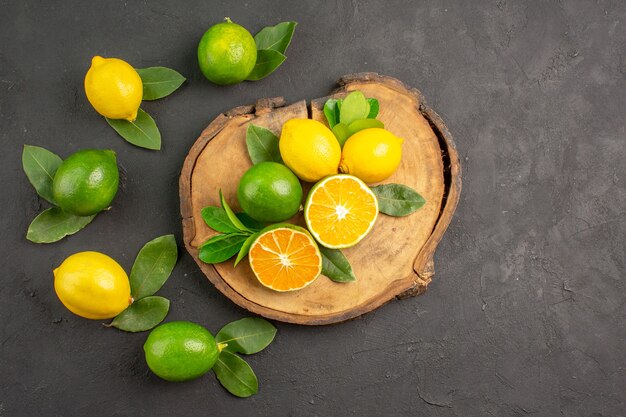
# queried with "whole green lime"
point(227, 53)
point(180, 351)
point(269, 192)
point(86, 182)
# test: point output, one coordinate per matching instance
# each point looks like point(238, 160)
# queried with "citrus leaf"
point(153, 265)
point(217, 219)
point(336, 266)
point(362, 124)
point(397, 199)
point(267, 61)
point(276, 37)
point(354, 107)
point(342, 133)
point(159, 82)
point(54, 224)
point(40, 165)
point(374, 108)
point(142, 314)
point(262, 145)
point(249, 335)
point(235, 375)
point(231, 215)
point(245, 248)
point(142, 132)
point(249, 222)
point(331, 111)
point(221, 248)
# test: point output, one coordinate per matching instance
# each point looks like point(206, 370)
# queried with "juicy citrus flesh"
point(285, 259)
point(269, 192)
point(371, 154)
point(114, 88)
point(340, 211)
point(180, 351)
point(92, 285)
point(227, 53)
point(310, 149)
point(86, 182)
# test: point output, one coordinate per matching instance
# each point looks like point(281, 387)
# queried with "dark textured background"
point(526, 313)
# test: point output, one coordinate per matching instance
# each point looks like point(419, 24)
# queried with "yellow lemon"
point(309, 149)
point(371, 155)
point(92, 285)
point(113, 88)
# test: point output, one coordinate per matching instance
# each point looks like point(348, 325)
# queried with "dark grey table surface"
point(526, 313)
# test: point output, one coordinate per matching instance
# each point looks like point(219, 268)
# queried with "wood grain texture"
point(394, 260)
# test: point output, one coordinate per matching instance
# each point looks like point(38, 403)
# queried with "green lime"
point(227, 53)
point(86, 182)
point(180, 351)
point(269, 192)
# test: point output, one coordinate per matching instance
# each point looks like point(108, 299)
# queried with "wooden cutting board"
point(394, 260)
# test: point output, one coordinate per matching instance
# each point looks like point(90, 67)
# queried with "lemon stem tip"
point(221, 346)
point(227, 19)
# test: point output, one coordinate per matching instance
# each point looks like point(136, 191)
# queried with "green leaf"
point(142, 314)
point(262, 145)
point(249, 335)
point(40, 165)
point(276, 37)
point(245, 248)
point(267, 60)
point(54, 224)
point(159, 82)
point(336, 266)
point(143, 132)
point(397, 199)
point(374, 108)
point(342, 133)
point(231, 215)
point(217, 219)
point(249, 222)
point(354, 107)
point(221, 248)
point(331, 111)
point(235, 375)
point(153, 265)
point(361, 124)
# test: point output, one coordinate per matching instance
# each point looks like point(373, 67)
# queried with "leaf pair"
point(271, 44)
point(245, 336)
point(53, 224)
point(158, 82)
point(238, 232)
point(351, 114)
point(153, 266)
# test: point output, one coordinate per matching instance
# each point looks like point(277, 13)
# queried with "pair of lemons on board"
point(312, 152)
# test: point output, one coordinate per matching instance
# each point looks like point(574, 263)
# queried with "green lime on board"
point(180, 351)
point(86, 182)
point(269, 192)
point(227, 53)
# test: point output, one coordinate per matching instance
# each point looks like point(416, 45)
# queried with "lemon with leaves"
point(92, 285)
point(309, 149)
point(371, 155)
point(113, 88)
